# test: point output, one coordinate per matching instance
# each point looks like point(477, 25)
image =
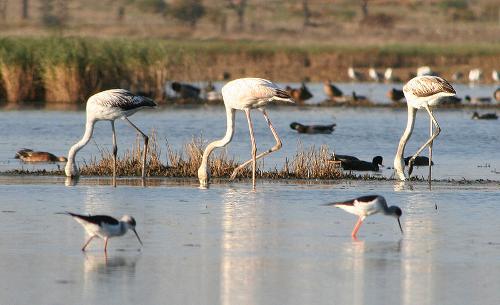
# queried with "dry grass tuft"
point(309, 163)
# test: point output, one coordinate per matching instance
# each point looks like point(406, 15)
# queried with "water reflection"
point(238, 275)
point(100, 268)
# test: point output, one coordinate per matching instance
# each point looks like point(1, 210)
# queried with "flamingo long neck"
point(219, 143)
point(399, 163)
point(89, 128)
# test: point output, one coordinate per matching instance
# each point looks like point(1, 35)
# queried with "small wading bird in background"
point(110, 105)
point(366, 206)
point(245, 94)
point(105, 227)
point(421, 92)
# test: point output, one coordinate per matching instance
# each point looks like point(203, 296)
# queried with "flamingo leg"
point(356, 227)
point(429, 141)
point(146, 141)
point(254, 146)
point(87, 243)
point(276, 147)
point(430, 150)
point(115, 152)
point(106, 245)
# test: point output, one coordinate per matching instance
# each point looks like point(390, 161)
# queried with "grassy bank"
point(68, 70)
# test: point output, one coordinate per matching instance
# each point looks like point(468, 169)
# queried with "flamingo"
point(245, 94)
point(421, 92)
point(109, 105)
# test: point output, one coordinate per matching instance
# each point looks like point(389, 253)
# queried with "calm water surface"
point(230, 245)
point(465, 148)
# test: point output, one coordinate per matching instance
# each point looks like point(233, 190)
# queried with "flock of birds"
point(246, 94)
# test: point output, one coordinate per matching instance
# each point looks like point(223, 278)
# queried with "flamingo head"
point(71, 169)
point(203, 176)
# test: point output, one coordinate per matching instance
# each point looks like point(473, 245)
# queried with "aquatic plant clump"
point(308, 163)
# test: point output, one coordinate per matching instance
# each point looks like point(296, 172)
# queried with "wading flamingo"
point(244, 94)
point(110, 105)
point(421, 92)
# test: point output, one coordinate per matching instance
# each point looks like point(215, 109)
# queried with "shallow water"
point(231, 245)
point(465, 148)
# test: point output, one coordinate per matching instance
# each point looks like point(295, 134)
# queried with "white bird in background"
point(374, 74)
point(475, 75)
point(354, 75)
point(388, 75)
point(424, 70)
point(105, 227)
point(110, 105)
point(421, 92)
point(495, 75)
point(244, 94)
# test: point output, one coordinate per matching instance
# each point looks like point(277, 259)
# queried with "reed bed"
point(69, 69)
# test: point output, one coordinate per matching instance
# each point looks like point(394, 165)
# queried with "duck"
point(477, 100)
point(354, 75)
point(313, 129)
point(486, 116)
point(496, 95)
point(331, 90)
point(336, 157)
point(450, 100)
point(419, 161)
point(28, 155)
point(359, 165)
point(186, 91)
point(457, 76)
point(395, 94)
point(301, 94)
point(356, 97)
point(375, 75)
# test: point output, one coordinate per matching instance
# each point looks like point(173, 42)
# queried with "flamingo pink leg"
point(88, 242)
point(356, 227)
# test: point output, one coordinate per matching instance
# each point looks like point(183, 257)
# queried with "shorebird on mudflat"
point(105, 227)
point(366, 206)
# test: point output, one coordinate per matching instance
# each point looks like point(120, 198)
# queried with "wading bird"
point(110, 105)
point(421, 92)
point(105, 227)
point(245, 94)
point(366, 206)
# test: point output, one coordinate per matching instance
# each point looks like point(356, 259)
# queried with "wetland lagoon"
point(277, 245)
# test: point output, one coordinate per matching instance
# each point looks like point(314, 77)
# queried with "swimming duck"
point(486, 116)
point(312, 129)
point(186, 90)
point(359, 165)
point(28, 155)
point(395, 94)
point(477, 100)
point(301, 94)
point(331, 90)
point(419, 161)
